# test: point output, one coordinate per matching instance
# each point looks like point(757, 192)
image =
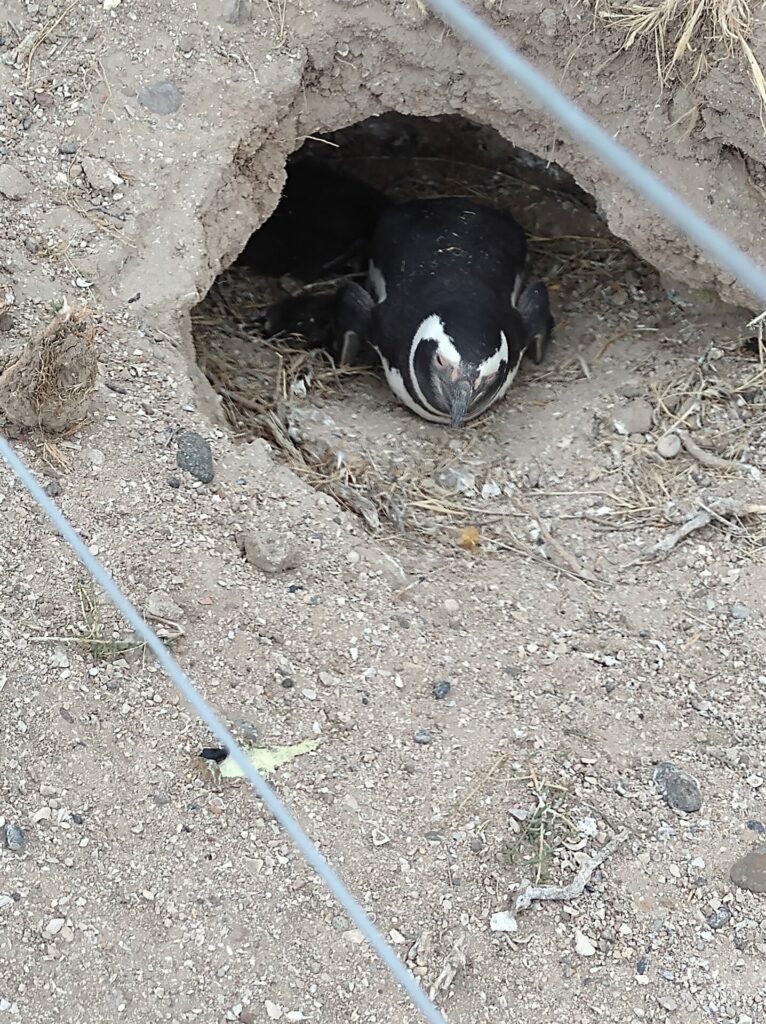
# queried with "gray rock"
point(740, 611)
point(441, 689)
point(160, 605)
point(423, 737)
point(680, 790)
point(635, 418)
point(749, 872)
point(271, 551)
point(160, 97)
point(503, 921)
point(195, 456)
point(719, 918)
point(13, 184)
point(15, 839)
point(455, 480)
point(669, 446)
point(53, 488)
point(68, 148)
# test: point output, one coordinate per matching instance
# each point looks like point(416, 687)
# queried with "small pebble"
point(53, 927)
point(668, 1003)
point(669, 446)
point(15, 839)
point(6, 321)
point(749, 872)
point(160, 97)
point(160, 605)
point(756, 826)
point(583, 945)
point(442, 689)
point(719, 918)
point(503, 921)
point(195, 456)
point(680, 790)
point(457, 480)
point(423, 737)
point(740, 611)
point(68, 148)
point(53, 488)
point(451, 606)
point(174, 482)
point(271, 551)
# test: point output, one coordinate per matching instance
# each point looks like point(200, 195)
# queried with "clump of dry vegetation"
point(687, 36)
point(48, 387)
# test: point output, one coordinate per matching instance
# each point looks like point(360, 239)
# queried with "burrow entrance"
point(624, 359)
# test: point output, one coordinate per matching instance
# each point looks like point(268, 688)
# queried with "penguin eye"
point(440, 361)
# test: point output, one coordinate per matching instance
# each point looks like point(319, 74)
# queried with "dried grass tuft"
point(48, 387)
point(687, 34)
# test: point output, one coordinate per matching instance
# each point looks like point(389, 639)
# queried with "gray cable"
point(222, 734)
point(596, 139)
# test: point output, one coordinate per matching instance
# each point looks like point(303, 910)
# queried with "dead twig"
point(721, 509)
point(559, 553)
point(714, 462)
point(454, 963)
point(528, 892)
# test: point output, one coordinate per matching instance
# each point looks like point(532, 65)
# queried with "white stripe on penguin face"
point(432, 329)
point(399, 389)
point(492, 364)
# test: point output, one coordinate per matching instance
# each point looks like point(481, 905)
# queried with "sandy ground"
point(133, 886)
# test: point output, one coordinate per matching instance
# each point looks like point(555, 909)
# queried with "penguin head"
point(459, 368)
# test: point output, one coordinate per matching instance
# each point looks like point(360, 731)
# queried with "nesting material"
point(49, 386)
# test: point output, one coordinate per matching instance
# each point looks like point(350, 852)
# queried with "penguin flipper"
point(353, 316)
point(534, 308)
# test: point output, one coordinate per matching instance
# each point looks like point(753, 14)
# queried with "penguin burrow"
point(416, 273)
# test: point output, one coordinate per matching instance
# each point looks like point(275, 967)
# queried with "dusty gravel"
point(579, 654)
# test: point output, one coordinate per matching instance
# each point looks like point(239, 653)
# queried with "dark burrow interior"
point(339, 426)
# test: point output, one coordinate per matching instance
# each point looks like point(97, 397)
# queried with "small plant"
point(92, 634)
point(542, 830)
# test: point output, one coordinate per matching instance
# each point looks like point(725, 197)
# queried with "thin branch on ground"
point(528, 892)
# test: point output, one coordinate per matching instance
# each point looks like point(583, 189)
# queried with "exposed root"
point(528, 892)
point(714, 462)
point(720, 509)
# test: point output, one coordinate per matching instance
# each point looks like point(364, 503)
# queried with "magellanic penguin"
point(446, 306)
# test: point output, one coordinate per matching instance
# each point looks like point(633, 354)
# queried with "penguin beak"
point(459, 394)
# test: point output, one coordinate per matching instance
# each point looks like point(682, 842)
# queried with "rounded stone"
point(749, 872)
